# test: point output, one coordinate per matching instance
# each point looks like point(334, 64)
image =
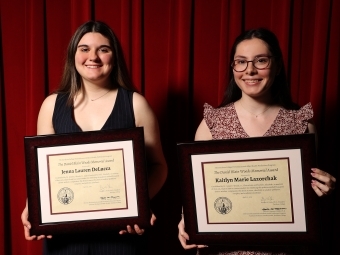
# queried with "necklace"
point(100, 96)
point(256, 115)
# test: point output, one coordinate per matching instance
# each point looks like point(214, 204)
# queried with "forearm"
point(156, 178)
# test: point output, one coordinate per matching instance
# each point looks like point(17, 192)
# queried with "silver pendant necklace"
point(100, 96)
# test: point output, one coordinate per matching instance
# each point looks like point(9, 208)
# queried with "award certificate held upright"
point(251, 190)
point(88, 181)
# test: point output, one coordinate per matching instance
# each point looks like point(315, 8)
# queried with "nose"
point(251, 68)
point(93, 56)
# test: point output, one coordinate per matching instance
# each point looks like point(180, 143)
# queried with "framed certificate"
point(250, 191)
point(88, 181)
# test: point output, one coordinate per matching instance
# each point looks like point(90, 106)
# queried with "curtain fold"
point(177, 52)
point(35, 67)
point(3, 176)
point(329, 142)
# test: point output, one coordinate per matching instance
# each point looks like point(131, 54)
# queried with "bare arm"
point(311, 129)
point(44, 127)
point(145, 117)
point(203, 132)
point(324, 183)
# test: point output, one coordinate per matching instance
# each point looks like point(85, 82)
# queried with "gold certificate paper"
point(88, 181)
point(249, 191)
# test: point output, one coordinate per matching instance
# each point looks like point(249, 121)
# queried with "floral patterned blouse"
point(223, 123)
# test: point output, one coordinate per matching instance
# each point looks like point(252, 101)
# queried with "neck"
point(93, 92)
point(254, 107)
point(95, 86)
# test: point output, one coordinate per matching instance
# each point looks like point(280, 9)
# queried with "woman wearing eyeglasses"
point(257, 102)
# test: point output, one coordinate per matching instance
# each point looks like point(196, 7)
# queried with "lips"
point(252, 81)
point(92, 66)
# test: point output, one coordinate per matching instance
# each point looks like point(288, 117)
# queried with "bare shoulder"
point(139, 101)
point(312, 130)
point(142, 110)
point(44, 125)
point(49, 102)
point(203, 132)
point(47, 107)
point(311, 127)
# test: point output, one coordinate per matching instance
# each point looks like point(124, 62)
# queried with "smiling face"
point(94, 59)
point(254, 82)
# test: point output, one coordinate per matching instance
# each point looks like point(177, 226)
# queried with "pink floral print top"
point(223, 122)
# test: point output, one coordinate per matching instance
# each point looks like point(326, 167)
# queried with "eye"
point(105, 49)
point(83, 49)
point(262, 60)
point(239, 61)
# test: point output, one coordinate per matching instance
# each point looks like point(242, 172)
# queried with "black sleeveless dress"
point(122, 116)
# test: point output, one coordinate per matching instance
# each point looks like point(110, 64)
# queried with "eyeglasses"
point(260, 63)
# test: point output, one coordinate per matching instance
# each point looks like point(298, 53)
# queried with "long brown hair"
point(71, 81)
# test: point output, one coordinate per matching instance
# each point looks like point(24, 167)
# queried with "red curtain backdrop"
point(177, 52)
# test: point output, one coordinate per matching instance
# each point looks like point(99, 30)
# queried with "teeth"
point(93, 67)
point(252, 81)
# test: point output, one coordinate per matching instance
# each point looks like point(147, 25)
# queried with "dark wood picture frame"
point(136, 135)
point(304, 142)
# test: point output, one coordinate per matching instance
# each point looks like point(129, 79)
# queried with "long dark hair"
point(71, 81)
point(279, 89)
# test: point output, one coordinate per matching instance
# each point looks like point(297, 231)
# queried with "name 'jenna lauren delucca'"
point(247, 179)
point(93, 169)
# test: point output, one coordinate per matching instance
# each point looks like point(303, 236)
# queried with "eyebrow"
point(101, 46)
point(259, 55)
